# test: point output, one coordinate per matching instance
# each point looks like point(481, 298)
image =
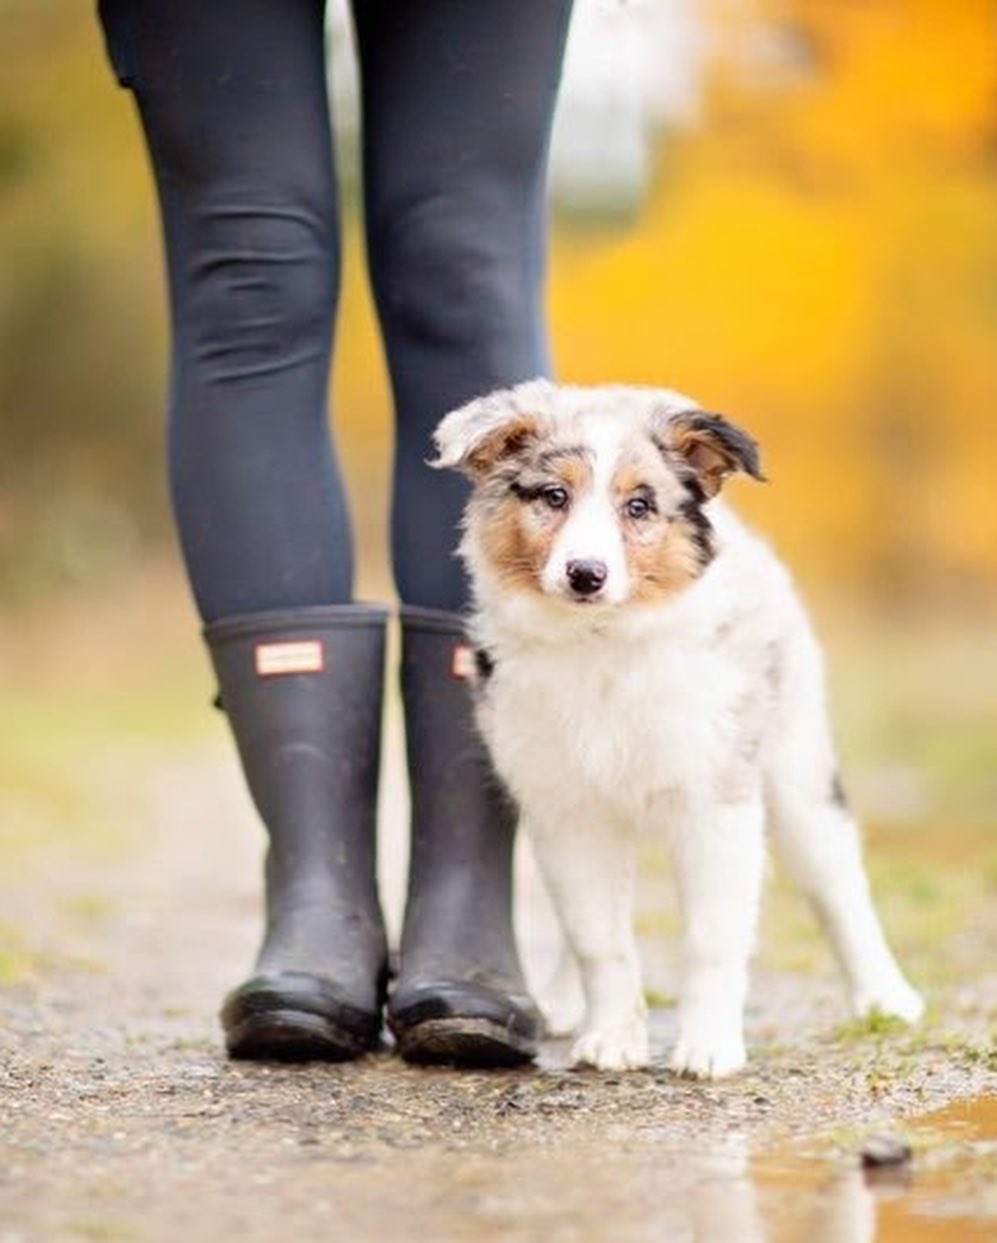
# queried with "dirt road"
point(121, 1119)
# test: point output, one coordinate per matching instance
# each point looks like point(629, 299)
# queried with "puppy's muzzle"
point(585, 577)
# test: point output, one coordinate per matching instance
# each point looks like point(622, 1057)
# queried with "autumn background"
point(809, 245)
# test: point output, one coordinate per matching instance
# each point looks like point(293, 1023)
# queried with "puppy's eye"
point(638, 507)
point(554, 496)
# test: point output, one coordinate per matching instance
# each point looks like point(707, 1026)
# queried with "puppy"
point(643, 662)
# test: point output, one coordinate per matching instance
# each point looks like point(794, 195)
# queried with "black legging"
point(457, 104)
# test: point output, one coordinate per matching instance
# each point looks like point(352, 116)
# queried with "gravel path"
point(122, 1120)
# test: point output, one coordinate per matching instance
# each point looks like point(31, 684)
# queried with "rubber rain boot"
point(302, 689)
point(460, 996)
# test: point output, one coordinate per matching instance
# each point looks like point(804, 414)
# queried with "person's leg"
point(457, 105)
point(458, 101)
point(233, 103)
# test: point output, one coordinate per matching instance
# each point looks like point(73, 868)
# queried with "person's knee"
point(450, 274)
point(259, 289)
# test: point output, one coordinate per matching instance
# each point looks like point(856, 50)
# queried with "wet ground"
point(128, 903)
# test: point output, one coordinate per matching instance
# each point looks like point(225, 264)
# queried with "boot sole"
point(464, 1042)
point(292, 1036)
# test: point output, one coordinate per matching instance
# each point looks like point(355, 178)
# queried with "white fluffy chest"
point(615, 725)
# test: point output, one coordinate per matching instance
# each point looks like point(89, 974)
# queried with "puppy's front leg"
point(562, 1001)
point(590, 870)
point(719, 856)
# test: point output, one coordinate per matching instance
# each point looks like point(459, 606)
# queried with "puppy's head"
point(591, 497)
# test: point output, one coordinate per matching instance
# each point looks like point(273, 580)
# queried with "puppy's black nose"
point(586, 577)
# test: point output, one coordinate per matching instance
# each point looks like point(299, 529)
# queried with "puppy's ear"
point(474, 438)
point(711, 446)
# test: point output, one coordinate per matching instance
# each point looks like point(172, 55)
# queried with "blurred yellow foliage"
point(818, 259)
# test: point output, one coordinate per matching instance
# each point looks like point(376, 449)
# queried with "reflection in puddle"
point(723, 1203)
point(804, 1202)
point(948, 1191)
point(714, 1192)
point(723, 1198)
point(848, 1211)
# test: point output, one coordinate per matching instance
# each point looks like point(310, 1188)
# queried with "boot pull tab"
point(276, 659)
point(471, 664)
point(291, 656)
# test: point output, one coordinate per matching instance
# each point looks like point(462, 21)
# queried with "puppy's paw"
point(894, 999)
point(708, 1054)
point(622, 1047)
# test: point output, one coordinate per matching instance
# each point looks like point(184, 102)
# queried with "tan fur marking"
point(661, 567)
point(505, 441)
point(661, 552)
point(632, 474)
point(711, 461)
point(573, 471)
point(517, 553)
point(517, 535)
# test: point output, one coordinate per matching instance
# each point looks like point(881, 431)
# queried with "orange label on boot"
point(463, 663)
point(300, 656)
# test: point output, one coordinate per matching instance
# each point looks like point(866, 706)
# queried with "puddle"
point(615, 1186)
point(947, 1191)
point(629, 1187)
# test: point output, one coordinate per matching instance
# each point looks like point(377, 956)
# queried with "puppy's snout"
point(586, 577)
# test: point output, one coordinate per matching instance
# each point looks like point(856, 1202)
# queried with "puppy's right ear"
point(474, 438)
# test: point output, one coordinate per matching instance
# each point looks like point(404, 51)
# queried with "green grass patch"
point(872, 1026)
point(17, 961)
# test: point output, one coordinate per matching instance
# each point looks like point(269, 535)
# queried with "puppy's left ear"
point(474, 438)
point(711, 446)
